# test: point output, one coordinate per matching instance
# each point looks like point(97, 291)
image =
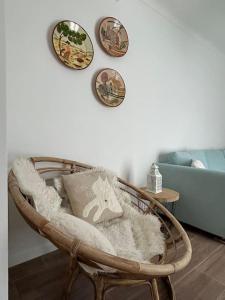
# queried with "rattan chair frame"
point(128, 272)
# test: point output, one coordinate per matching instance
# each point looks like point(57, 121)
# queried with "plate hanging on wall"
point(72, 45)
point(110, 87)
point(113, 37)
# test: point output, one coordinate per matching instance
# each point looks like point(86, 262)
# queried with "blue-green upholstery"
point(202, 191)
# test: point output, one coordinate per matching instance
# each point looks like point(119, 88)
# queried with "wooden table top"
point(167, 195)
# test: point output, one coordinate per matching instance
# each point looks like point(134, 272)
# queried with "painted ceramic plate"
point(113, 37)
point(110, 87)
point(72, 45)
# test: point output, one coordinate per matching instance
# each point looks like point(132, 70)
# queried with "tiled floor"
point(203, 279)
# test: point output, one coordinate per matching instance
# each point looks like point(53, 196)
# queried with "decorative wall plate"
point(72, 45)
point(110, 87)
point(113, 37)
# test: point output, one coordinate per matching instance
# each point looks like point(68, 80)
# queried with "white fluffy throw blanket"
point(134, 236)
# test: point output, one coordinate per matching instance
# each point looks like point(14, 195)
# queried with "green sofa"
point(202, 191)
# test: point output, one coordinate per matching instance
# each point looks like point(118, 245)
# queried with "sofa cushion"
point(211, 159)
point(215, 159)
point(198, 164)
point(181, 158)
point(185, 158)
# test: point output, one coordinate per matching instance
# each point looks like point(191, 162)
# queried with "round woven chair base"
point(106, 286)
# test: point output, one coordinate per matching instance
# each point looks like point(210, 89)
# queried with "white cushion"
point(84, 232)
point(46, 199)
point(198, 164)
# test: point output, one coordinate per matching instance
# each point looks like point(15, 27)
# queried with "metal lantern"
point(154, 180)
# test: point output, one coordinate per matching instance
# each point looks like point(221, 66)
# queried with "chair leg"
point(171, 288)
point(150, 289)
point(73, 273)
point(99, 288)
point(155, 289)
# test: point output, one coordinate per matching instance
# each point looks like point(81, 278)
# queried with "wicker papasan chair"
point(125, 271)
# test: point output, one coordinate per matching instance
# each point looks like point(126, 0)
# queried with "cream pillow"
point(198, 164)
point(92, 195)
point(46, 199)
point(84, 232)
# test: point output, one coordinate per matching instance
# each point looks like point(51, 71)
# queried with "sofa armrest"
point(202, 195)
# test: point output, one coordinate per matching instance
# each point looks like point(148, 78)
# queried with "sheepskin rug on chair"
point(134, 236)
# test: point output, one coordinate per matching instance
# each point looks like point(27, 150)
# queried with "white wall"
point(175, 95)
point(3, 167)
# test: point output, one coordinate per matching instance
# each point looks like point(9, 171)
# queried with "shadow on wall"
point(127, 171)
